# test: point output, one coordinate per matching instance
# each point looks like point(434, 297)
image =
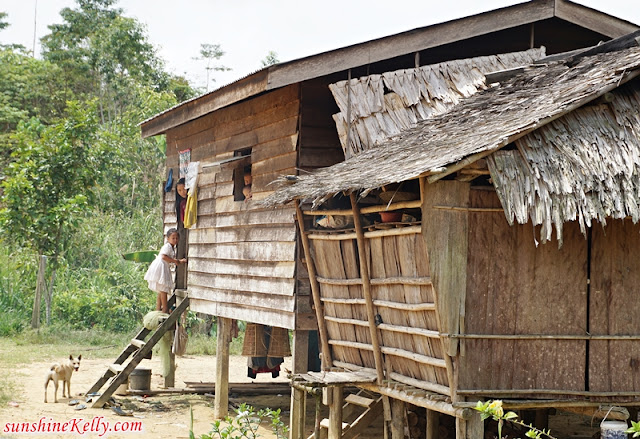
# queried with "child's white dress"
point(159, 275)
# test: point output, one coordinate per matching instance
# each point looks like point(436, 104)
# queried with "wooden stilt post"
point(433, 424)
point(397, 419)
point(298, 411)
point(335, 413)
point(40, 287)
point(221, 404)
point(327, 361)
point(472, 428)
point(300, 351)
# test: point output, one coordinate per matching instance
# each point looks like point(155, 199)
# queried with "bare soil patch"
point(160, 416)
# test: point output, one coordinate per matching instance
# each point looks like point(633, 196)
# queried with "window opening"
point(242, 178)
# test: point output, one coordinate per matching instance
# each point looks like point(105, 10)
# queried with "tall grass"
point(94, 287)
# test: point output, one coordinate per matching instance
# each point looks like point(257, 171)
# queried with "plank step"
point(359, 400)
point(116, 368)
point(325, 424)
point(137, 342)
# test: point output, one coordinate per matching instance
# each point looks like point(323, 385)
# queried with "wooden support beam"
point(300, 351)
point(298, 411)
point(452, 375)
point(472, 428)
point(366, 290)
point(315, 291)
point(221, 403)
point(397, 419)
point(413, 204)
point(335, 413)
point(433, 424)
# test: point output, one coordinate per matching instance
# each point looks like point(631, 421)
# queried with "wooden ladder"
point(353, 403)
point(140, 349)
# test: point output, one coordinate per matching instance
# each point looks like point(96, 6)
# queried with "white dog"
point(61, 372)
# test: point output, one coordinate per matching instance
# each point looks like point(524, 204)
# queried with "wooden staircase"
point(362, 409)
point(138, 350)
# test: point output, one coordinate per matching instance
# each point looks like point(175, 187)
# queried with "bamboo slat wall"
point(242, 256)
point(613, 310)
point(403, 299)
point(384, 105)
point(514, 287)
point(582, 167)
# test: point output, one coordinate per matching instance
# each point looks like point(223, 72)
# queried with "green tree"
point(210, 54)
point(49, 183)
point(270, 59)
point(3, 24)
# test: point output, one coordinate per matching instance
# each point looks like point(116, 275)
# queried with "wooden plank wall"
point(242, 256)
point(613, 307)
point(319, 143)
point(515, 288)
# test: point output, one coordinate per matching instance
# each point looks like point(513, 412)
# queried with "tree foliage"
point(270, 59)
point(48, 184)
point(211, 54)
point(72, 161)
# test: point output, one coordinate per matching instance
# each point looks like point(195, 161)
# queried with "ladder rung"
point(137, 342)
point(116, 368)
point(359, 400)
point(325, 424)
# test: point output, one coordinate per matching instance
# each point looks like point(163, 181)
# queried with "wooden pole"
point(315, 291)
point(397, 419)
point(472, 428)
point(433, 424)
point(335, 413)
point(300, 351)
point(221, 403)
point(40, 286)
point(366, 291)
point(298, 411)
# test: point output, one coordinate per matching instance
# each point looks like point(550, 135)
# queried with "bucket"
point(140, 379)
point(122, 389)
point(613, 430)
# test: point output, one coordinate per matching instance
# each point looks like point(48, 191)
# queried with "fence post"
point(40, 286)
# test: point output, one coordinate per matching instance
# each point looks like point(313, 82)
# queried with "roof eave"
point(593, 19)
point(368, 52)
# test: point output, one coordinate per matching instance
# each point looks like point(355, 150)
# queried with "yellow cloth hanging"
point(191, 209)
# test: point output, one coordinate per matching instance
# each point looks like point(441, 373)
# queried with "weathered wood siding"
point(319, 143)
point(515, 288)
point(613, 307)
point(242, 258)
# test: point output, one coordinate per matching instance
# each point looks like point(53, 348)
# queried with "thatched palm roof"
point(476, 127)
point(376, 107)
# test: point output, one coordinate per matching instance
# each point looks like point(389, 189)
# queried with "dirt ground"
point(160, 417)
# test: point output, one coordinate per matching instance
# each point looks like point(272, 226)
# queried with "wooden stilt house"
point(245, 260)
point(513, 273)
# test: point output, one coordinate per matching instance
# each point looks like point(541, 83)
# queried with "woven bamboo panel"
point(254, 341)
point(279, 343)
point(402, 306)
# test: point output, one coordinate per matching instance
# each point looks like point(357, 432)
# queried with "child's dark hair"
point(171, 231)
point(181, 181)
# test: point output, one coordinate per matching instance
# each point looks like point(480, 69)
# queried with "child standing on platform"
point(159, 275)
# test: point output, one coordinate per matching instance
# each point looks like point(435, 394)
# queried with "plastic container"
point(140, 379)
point(613, 430)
